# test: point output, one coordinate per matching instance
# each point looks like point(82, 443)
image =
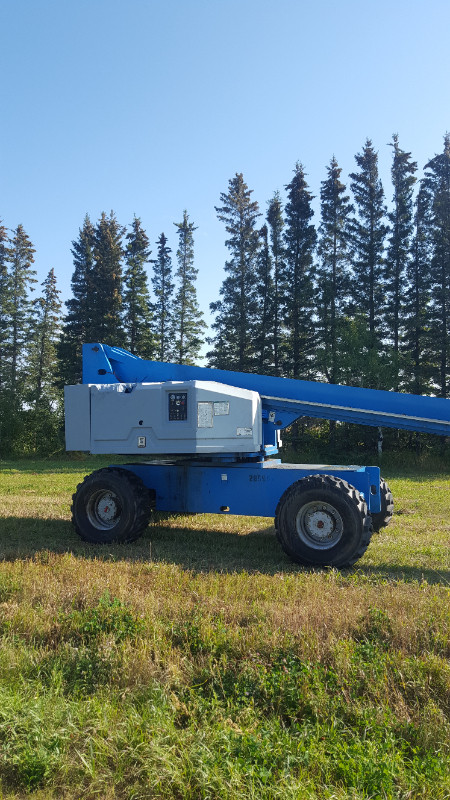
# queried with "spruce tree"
point(94, 311)
point(417, 341)
point(276, 224)
point(163, 290)
point(333, 273)
point(42, 362)
point(235, 312)
point(437, 181)
point(398, 253)
point(21, 281)
point(17, 280)
point(44, 400)
point(107, 288)
point(368, 238)
point(188, 322)
point(78, 325)
point(137, 310)
point(298, 295)
point(5, 300)
point(264, 337)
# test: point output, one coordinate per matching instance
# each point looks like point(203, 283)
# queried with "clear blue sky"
point(148, 107)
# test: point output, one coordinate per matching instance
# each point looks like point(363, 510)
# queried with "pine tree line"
point(111, 303)
point(363, 298)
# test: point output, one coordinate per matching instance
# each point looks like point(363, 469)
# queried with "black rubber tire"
point(122, 491)
point(342, 506)
point(383, 517)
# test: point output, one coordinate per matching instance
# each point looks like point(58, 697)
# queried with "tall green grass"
point(199, 662)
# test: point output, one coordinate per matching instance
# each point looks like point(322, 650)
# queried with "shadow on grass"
point(401, 572)
point(200, 550)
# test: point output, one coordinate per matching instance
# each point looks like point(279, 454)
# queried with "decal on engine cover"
point(205, 415)
point(221, 409)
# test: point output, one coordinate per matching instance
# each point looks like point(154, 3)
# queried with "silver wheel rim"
point(103, 510)
point(319, 525)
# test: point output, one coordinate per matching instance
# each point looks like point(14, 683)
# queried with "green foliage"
point(88, 656)
point(106, 289)
point(137, 311)
point(275, 222)
point(81, 670)
point(399, 250)
point(334, 284)
point(16, 282)
point(376, 628)
point(236, 311)
point(417, 344)
point(188, 322)
point(360, 363)
point(368, 238)
point(21, 280)
point(94, 311)
point(264, 327)
point(79, 320)
point(42, 352)
point(8, 587)
point(42, 420)
point(31, 750)
point(163, 287)
point(110, 616)
point(437, 180)
point(298, 293)
point(5, 300)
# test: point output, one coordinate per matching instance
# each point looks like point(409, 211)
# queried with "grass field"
point(199, 662)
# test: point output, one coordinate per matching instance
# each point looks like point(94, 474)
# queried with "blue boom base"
point(241, 488)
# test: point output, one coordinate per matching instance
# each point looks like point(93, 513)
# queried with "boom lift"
point(224, 430)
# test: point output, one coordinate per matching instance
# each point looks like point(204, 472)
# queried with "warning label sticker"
point(244, 431)
point(221, 409)
point(204, 415)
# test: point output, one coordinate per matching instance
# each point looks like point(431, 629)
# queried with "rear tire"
point(323, 521)
point(383, 517)
point(111, 505)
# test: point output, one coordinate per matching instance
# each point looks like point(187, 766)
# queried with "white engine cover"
point(163, 418)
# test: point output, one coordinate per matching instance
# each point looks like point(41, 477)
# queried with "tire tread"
point(335, 485)
point(142, 500)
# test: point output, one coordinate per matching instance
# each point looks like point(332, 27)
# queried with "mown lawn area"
point(199, 662)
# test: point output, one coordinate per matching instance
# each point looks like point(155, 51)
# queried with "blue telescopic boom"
point(283, 399)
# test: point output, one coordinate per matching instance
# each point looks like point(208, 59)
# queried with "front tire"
point(111, 505)
point(323, 521)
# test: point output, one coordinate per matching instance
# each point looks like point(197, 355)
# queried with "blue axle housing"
point(249, 489)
